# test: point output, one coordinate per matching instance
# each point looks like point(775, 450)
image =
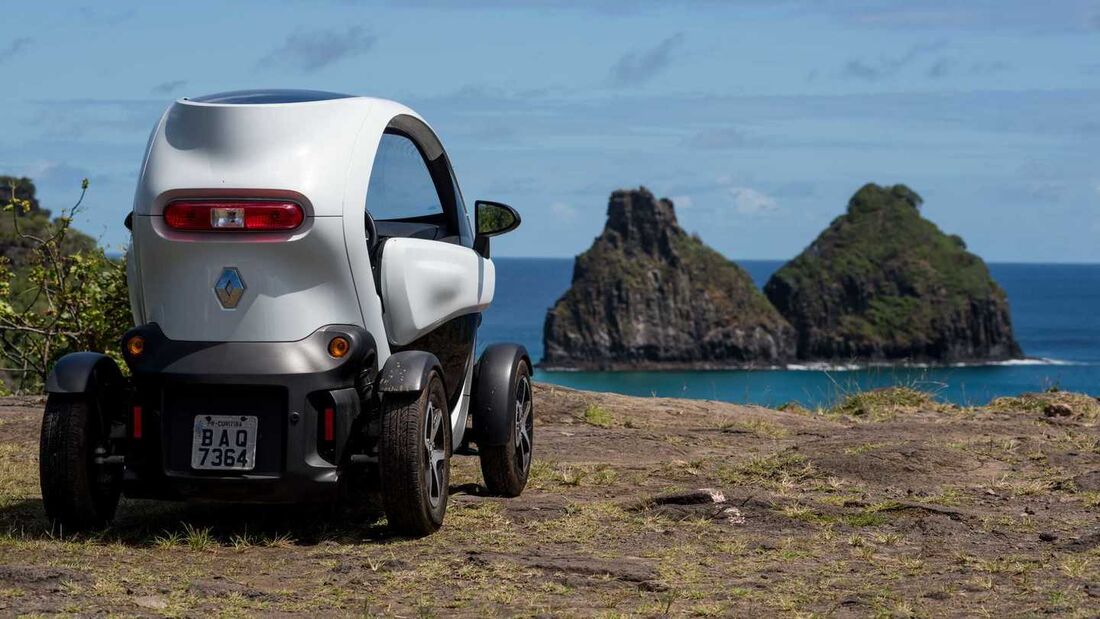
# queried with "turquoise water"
point(1055, 312)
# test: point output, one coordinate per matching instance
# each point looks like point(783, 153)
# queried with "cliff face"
point(882, 283)
point(648, 295)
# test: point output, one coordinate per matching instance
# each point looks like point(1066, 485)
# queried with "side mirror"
point(492, 219)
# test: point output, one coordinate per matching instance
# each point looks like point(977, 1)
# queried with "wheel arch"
point(492, 391)
point(408, 371)
point(93, 375)
point(83, 373)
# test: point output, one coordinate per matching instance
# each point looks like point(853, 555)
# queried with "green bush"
point(59, 292)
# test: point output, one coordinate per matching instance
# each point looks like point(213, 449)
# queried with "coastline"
point(798, 366)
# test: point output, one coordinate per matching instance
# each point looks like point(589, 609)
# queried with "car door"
point(433, 284)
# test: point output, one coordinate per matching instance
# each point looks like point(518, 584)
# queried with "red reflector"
point(136, 426)
point(330, 419)
point(248, 215)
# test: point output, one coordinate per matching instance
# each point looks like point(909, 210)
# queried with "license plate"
point(224, 443)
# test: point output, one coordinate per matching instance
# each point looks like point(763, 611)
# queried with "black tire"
point(506, 467)
point(414, 488)
point(78, 494)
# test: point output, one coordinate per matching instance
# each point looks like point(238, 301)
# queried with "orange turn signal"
point(338, 347)
point(135, 346)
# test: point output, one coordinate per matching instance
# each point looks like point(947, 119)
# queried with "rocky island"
point(884, 284)
point(647, 295)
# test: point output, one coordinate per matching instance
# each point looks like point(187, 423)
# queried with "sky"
point(758, 118)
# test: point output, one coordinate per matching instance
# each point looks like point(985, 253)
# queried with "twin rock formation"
point(881, 284)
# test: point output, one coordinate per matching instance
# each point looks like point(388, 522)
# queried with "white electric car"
point(307, 290)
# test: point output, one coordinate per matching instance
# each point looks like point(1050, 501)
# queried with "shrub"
point(63, 294)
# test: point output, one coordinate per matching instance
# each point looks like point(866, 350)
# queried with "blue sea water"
point(1055, 312)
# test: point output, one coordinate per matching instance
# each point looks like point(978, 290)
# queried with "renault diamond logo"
point(229, 288)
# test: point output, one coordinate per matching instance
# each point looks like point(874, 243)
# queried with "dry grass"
point(826, 525)
point(1080, 405)
point(883, 404)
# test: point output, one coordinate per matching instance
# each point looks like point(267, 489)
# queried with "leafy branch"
point(59, 298)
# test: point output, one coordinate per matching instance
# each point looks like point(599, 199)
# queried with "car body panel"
point(426, 283)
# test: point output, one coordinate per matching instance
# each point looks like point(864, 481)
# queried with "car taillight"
point(246, 215)
point(136, 425)
point(329, 423)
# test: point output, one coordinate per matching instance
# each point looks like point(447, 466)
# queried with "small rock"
point(1047, 536)
point(1057, 409)
point(733, 515)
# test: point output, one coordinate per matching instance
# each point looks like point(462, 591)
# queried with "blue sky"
point(759, 118)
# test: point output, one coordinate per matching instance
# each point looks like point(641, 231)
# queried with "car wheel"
point(414, 459)
point(506, 467)
point(77, 493)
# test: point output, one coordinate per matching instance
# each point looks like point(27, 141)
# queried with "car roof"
point(308, 142)
point(268, 96)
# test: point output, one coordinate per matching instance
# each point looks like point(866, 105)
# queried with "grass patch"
point(794, 407)
point(776, 471)
point(1030, 487)
point(947, 497)
point(882, 404)
point(198, 538)
point(585, 523)
point(759, 427)
point(864, 519)
point(869, 517)
point(1081, 405)
point(544, 475)
point(863, 448)
point(598, 416)
point(1011, 565)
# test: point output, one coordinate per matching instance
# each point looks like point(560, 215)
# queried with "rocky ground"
point(888, 504)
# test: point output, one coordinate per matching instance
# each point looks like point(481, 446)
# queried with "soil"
point(900, 509)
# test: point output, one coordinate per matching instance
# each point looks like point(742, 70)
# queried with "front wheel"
point(506, 467)
point(77, 492)
point(414, 459)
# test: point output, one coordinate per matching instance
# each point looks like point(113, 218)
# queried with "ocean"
point(1055, 314)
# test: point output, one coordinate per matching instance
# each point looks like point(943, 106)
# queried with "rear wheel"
point(78, 494)
point(414, 459)
point(506, 467)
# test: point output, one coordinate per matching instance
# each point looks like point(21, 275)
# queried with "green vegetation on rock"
point(882, 283)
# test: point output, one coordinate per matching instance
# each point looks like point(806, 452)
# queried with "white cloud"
point(641, 66)
point(563, 211)
point(749, 201)
point(315, 50)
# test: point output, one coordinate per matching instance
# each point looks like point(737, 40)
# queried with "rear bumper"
point(287, 385)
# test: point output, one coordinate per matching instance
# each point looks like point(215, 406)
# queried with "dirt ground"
point(889, 504)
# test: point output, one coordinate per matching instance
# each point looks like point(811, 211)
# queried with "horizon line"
point(1021, 262)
